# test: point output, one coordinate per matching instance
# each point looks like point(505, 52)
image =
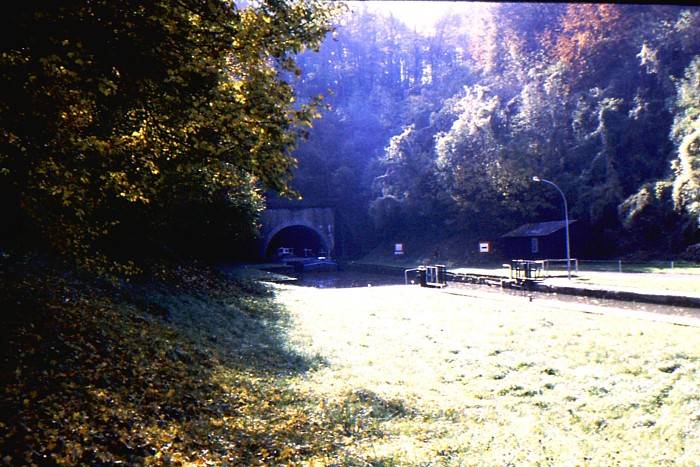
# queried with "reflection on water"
point(344, 279)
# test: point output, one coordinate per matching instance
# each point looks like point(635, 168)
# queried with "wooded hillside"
point(443, 131)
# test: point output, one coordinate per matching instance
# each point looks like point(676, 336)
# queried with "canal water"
point(344, 279)
point(350, 279)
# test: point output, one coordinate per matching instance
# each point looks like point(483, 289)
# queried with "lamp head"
point(536, 179)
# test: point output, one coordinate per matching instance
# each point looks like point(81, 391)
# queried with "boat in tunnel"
point(301, 247)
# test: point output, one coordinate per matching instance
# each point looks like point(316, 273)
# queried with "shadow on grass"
point(238, 319)
point(191, 369)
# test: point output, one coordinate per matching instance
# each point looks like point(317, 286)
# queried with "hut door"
point(534, 245)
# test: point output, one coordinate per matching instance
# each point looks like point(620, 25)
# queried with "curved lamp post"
point(566, 220)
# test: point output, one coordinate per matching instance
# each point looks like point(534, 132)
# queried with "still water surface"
point(345, 279)
point(349, 279)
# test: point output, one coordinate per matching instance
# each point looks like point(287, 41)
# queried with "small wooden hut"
point(540, 240)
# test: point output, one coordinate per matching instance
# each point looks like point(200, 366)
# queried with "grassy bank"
point(196, 368)
point(500, 381)
point(659, 282)
point(187, 369)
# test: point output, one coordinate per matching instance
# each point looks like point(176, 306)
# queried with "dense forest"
point(440, 133)
point(156, 134)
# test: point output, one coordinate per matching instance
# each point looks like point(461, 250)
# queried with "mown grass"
point(502, 381)
point(655, 267)
point(192, 368)
point(656, 282)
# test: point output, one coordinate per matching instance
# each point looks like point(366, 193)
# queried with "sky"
point(422, 15)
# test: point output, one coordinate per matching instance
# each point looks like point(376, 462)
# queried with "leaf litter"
point(186, 369)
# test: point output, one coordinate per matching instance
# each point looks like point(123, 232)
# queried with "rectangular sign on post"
point(398, 248)
point(484, 247)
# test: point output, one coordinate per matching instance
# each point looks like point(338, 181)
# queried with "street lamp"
point(566, 220)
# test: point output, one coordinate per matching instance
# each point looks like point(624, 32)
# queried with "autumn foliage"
point(184, 370)
point(121, 119)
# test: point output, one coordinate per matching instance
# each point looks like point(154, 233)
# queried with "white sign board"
point(484, 247)
point(398, 248)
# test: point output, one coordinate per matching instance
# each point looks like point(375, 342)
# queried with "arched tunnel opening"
point(303, 241)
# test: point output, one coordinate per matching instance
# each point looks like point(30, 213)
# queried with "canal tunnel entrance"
point(303, 241)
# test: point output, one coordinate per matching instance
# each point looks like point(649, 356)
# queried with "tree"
point(115, 115)
point(366, 66)
point(450, 128)
point(686, 134)
point(588, 35)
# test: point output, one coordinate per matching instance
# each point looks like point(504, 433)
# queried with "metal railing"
point(547, 264)
point(620, 265)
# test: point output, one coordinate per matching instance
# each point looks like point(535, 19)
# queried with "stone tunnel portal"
point(303, 228)
point(300, 238)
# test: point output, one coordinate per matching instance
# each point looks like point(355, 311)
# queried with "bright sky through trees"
point(423, 15)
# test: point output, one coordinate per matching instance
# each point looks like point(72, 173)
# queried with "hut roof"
point(539, 229)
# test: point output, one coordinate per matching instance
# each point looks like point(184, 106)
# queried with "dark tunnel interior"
point(300, 238)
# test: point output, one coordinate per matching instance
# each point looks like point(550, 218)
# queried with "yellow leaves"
point(93, 143)
point(286, 454)
point(216, 422)
point(138, 139)
point(141, 407)
point(100, 393)
point(107, 87)
point(235, 88)
point(196, 93)
point(77, 115)
point(194, 19)
point(124, 188)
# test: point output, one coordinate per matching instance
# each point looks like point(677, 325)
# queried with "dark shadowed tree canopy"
point(158, 121)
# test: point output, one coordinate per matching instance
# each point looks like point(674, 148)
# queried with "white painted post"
point(619, 265)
